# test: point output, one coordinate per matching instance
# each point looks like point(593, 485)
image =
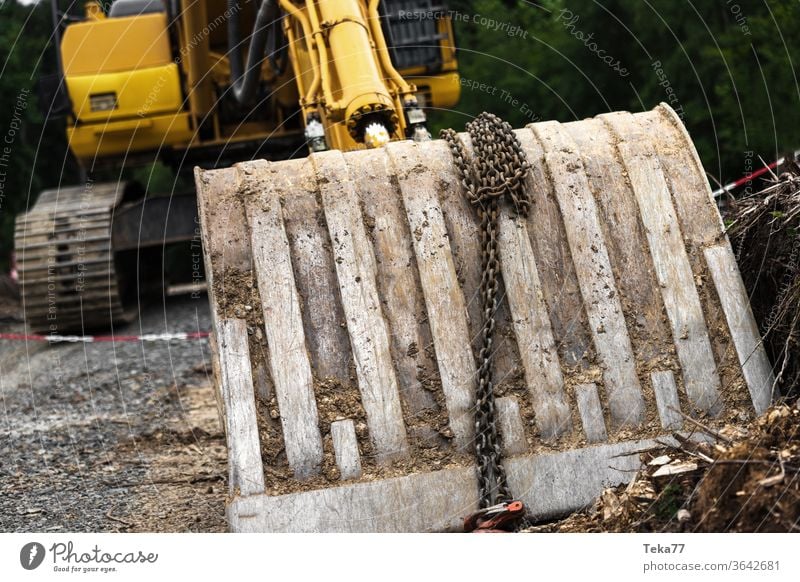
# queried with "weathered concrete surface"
point(549, 485)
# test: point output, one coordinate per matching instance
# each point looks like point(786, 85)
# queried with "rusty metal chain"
point(498, 171)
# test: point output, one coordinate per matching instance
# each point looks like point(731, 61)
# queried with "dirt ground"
point(112, 436)
point(743, 478)
point(107, 437)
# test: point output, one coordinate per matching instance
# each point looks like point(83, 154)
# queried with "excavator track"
point(65, 256)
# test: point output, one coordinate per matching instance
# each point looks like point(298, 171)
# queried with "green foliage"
point(158, 178)
point(33, 154)
point(726, 67)
point(668, 503)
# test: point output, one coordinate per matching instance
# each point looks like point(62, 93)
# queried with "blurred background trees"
point(727, 66)
point(32, 153)
point(731, 67)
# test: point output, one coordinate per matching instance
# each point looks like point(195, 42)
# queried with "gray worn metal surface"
point(353, 279)
point(549, 485)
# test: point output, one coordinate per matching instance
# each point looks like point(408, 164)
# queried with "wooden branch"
point(704, 428)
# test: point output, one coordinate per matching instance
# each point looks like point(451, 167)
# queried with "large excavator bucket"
point(345, 309)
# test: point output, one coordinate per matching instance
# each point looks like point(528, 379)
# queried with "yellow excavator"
point(409, 334)
point(207, 83)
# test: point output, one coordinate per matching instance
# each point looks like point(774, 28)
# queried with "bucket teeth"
point(350, 407)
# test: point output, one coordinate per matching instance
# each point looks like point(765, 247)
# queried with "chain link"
point(498, 170)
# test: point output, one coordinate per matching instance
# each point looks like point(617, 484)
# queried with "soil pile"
point(765, 232)
point(742, 479)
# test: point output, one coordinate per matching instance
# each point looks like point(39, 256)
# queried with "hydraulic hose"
point(245, 83)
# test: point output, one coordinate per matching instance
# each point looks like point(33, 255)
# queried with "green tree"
point(727, 67)
point(33, 153)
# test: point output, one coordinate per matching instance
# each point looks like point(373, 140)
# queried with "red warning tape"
point(749, 177)
point(152, 337)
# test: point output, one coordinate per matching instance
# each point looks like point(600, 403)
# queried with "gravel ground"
point(112, 436)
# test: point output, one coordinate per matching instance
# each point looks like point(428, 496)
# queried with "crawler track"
point(68, 278)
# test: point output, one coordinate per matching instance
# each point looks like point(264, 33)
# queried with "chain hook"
point(498, 171)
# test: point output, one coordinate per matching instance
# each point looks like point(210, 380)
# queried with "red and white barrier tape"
point(749, 177)
point(150, 337)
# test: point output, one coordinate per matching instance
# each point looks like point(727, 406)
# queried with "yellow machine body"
point(149, 81)
point(153, 82)
point(122, 100)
